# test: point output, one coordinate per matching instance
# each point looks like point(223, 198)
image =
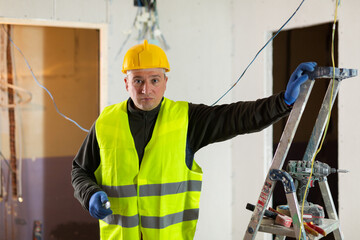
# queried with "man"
point(139, 153)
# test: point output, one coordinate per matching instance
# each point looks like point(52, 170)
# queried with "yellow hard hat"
point(143, 56)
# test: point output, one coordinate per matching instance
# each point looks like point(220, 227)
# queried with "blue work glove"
point(297, 78)
point(97, 205)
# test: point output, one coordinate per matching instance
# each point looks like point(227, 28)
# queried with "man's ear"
point(126, 83)
point(166, 79)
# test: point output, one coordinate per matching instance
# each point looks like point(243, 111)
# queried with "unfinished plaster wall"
point(199, 34)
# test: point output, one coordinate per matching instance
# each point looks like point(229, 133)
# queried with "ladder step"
point(329, 225)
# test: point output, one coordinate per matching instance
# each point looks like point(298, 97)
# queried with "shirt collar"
point(133, 110)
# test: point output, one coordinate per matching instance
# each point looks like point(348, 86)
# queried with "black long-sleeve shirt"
point(207, 124)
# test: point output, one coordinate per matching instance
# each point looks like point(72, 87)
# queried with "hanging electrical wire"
point(256, 55)
point(38, 83)
point(146, 23)
point(337, 3)
point(20, 156)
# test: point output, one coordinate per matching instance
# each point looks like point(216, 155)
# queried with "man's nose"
point(145, 88)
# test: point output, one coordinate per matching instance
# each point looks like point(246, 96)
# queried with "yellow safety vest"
point(159, 199)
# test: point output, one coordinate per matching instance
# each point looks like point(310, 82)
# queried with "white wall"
point(349, 118)
point(211, 43)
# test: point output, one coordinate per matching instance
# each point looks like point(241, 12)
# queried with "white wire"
point(20, 158)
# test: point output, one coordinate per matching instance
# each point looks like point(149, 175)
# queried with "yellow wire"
point(328, 117)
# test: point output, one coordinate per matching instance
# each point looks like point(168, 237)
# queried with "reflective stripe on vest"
point(160, 199)
point(165, 221)
point(153, 222)
point(124, 221)
point(152, 189)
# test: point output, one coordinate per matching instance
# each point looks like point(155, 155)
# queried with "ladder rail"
point(291, 125)
point(290, 192)
point(321, 120)
point(279, 158)
point(330, 206)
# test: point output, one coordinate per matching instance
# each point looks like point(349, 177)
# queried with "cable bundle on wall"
point(146, 24)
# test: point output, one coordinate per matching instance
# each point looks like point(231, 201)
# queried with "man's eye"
point(155, 80)
point(138, 81)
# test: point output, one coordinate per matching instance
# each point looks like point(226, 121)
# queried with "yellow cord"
point(328, 118)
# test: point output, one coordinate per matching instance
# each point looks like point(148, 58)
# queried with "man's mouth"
point(147, 99)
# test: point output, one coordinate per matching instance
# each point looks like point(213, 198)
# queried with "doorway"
point(65, 60)
point(290, 48)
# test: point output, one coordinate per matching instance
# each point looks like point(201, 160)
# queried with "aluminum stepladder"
point(277, 174)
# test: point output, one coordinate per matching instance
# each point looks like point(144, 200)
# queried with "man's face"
point(146, 87)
